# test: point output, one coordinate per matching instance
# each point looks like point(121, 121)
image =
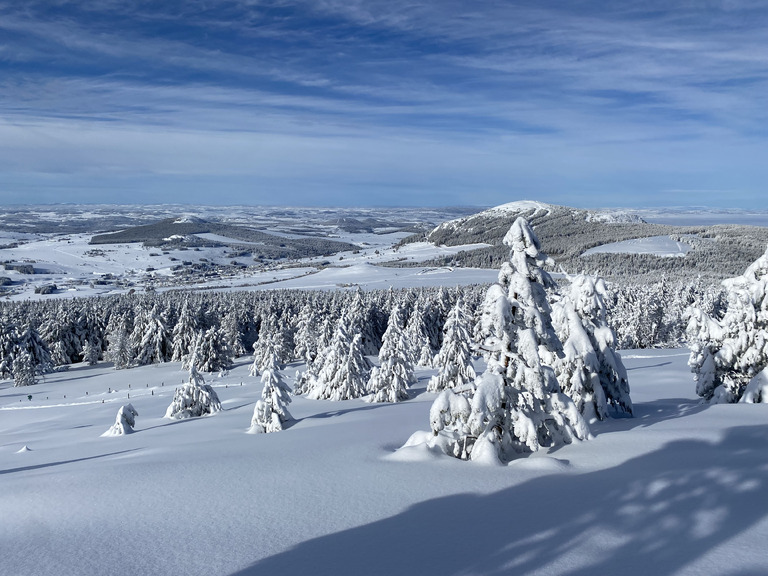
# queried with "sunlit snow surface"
point(679, 489)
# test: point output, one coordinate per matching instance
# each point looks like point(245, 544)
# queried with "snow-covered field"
point(679, 489)
point(75, 266)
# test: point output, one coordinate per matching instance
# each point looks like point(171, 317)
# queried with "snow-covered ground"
point(679, 489)
point(76, 267)
point(663, 246)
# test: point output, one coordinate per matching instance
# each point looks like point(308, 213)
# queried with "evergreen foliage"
point(517, 406)
point(194, 398)
point(124, 421)
point(271, 411)
point(390, 381)
point(730, 354)
point(454, 360)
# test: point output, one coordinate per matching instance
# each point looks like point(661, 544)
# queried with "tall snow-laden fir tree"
point(9, 347)
point(517, 406)
point(30, 340)
point(194, 398)
point(729, 355)
point(119, 349)
point(150, 338)
point(591, 372)
point(91, 353)
point(210, 352)
point(267, 349)
point(344, 370)
point(390, 381)
point(271, 411)
point(24, 373)
point(416, 338)
point(184, 332)
point(454, 360)
point(21, 351)
point(307, 334)
point(232, 333)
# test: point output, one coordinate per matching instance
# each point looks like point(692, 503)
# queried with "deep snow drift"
point(679, 489)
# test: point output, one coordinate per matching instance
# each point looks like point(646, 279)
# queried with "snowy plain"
point(75, 266)
point(678, 489)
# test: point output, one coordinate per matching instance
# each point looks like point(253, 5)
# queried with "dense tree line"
point(208, 329)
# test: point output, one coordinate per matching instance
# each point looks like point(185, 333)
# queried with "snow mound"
point(23, 449)
point(420, 447)
point(542, 464)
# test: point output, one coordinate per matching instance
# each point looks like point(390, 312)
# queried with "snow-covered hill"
point(676, 490)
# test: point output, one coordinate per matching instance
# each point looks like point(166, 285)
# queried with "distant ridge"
point(185, 231)
point(566, 233)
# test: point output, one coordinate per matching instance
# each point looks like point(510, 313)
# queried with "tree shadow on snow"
point(343, 411)
point(62, 462)
point(661, 364)
point(649, 413)
point(651, 515)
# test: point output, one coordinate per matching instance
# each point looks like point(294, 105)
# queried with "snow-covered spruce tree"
point(9, 346)
point(150, 338)
point(367, 325)
point(91, 353)
point(124, 421)
point(271, 412)
point(591, 372)
point(344, 370)
point(267, 349)
point(24, 373)
point(184, 332)
point(390, 381)
point(30, 340)
point(729, 355)
point(194, 398)
point(517, 406)
point(56, 331)
point(210, 352)
point(307, 334)
point(230, 328)
point(454, 360)
point(416, 339)
point(119, 349)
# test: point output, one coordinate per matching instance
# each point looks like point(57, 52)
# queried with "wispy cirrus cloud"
point(553, 98)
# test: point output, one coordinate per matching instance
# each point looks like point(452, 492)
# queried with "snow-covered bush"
point(730, 354)
point(124, 421)
point(194, 398)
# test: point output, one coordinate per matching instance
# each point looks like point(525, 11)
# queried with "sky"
point(384, 102)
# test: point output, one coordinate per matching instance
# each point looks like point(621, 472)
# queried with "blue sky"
point(392, 102)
